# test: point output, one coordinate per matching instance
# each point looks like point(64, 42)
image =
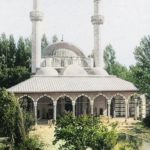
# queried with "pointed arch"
point(45, 95)
point(118, 94)
point(118, 105)
point(83, 105)
point(84, 96)
point(101, 94)
point(134, 94)
point(45, 107)
point(25, 96)
point(64, 105)
point(26, 103)
point(100, 104)
point(64, 95)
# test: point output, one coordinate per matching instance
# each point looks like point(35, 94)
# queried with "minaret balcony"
point(36, 16)
point(97, 20)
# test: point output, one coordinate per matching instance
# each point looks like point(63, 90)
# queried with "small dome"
point(74, 70)
point(47, 71)
point(100, 71)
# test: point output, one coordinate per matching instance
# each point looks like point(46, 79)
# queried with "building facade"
point(65, 80)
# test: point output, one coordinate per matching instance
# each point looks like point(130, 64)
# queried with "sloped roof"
point(38, 84)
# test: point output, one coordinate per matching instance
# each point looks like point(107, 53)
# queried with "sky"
point(125, 23)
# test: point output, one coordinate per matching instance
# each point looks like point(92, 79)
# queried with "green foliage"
point(21, 55)
point(109, 58)
point(14, 60)
point(29, 121)
point(83, 132)
point(12, 76)
point(30, 144)
point(141, 71)
point(44, 43)
point(146, 121)
point(4, 147)
point(11, 119)
point(113, 67)
point(54, 38)
point(126, 146)
point(128, 142)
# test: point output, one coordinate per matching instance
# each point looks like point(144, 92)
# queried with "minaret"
point(97, 20)
point(36, 17)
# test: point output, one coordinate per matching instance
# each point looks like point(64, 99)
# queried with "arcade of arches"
point(46, 107)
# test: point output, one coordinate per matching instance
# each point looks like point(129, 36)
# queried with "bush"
point(80, 133)
point(11, 117)
point(29, 121)
point(146, 121)
point(4, 147)
point(30, 144)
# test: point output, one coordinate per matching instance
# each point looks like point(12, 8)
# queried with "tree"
point(12, 52)
point(4, 48)
point(141, 71)
point(113, 67)
point(12, 124)
point(13, 76)
point(54, 38)
point(11, 119)
point(79, 133)
point(45, 42)
point(109, 58)
point(28, 49)
point(20, 55)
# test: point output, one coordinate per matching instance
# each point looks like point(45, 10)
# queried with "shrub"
point(80, 133)
point(30, 144)
point(146, 121)
point(11, 117)
point(29, 121)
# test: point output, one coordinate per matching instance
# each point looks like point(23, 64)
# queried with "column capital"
point(73, 103)
point(92, 102)
point(109, 101)
point(35, 103)
point(55, 103)
point(126, 101)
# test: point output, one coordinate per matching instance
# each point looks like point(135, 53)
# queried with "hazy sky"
point(126, 22)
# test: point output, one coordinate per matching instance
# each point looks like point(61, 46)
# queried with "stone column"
point(55, 110)
point(126, 110)
point(138, 110)
point(36, 17)
point(136, 113)
point(143, 107)
point(35, 112)
point(74, 108)
point(108, 104)
point(92, 107)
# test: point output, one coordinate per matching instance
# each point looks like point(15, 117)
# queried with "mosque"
point(64, 79)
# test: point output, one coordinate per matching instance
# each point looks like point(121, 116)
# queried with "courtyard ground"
point(46, 135)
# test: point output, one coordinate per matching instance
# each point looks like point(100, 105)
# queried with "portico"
point(111, 104)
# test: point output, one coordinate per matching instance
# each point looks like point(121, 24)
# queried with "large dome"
point(47, 71)
point(63, 54)
point(100, 71)
point(75, 70)
point(52, 49)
